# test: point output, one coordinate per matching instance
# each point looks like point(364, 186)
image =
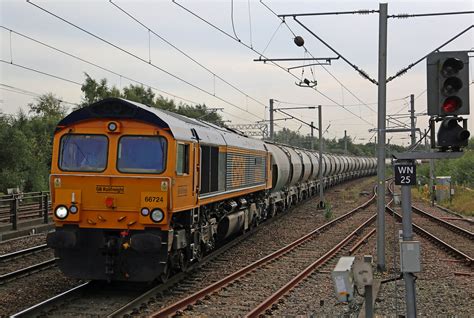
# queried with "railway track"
point(435, 239)
point(136, 303)
point(457, 240)
point(452, 227)
point(25, 262)
point(237, 292)
point(94, 298)
point(458, 217)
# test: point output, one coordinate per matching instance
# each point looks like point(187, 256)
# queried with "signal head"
point(451, 135)
point(448, 83)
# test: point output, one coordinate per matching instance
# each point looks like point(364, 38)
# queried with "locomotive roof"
point(181, 127)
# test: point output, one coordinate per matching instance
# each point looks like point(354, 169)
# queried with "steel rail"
point(461, 217)
point(27, 270)
point(444, 223)
point(19, 253)
point(420, 231)
point(35, 310)
point(267, 303)
point(362, 241)
point(183, 303)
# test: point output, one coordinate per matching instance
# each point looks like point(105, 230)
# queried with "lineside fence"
point(22, 206)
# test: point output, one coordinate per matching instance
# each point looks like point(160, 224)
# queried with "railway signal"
point(448, 97)
point(448, 83)
point(451, 135)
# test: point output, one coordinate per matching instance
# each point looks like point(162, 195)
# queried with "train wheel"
point(166, 273)
point(183, 261)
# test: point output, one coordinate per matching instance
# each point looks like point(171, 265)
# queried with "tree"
point(47, 105)
point(139, 94)
point(95, 91)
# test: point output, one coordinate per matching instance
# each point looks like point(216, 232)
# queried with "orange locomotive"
point(139, 192)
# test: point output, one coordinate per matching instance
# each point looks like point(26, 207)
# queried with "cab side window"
point(182, 159)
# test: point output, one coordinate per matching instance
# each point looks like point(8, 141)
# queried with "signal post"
point(448, 98)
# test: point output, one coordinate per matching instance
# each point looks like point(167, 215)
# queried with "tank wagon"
point(138, 192)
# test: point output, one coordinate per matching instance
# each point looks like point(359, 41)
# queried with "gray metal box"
point(343, 279)
point(410, 256)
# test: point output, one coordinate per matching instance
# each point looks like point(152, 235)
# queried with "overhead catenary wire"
point(187, 55)
point(355, 67)
point(23, 91)
point(272, 62)
point(98, 66)
point(330, 73)
point(406, 69)
point(250, 23)
point(141, 59)
point(318, 63)
point(432, 14)
point(41, 72)
point(347, 105)
point(232, 17)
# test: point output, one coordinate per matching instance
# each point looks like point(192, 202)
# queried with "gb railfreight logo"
point(109, 189)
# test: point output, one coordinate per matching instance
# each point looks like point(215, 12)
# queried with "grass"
point(328, 211)
point(462, 200)
point(353, 193)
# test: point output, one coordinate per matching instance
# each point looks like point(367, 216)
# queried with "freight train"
point(139, 193)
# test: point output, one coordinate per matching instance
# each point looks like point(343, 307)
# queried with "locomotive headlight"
point(145, 211)
point(112, 126)
point(73, 209)
point(157, 215)
point(61, 212)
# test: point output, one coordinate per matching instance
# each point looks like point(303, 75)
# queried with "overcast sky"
point(252, 84)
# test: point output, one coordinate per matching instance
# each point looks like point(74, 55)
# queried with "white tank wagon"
point(295, 173)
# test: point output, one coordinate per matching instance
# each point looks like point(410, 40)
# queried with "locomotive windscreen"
point(141, 154)
point(81, 152)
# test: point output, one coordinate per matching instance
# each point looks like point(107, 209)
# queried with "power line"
point(262, 55)
point(22, 91)
point(33, 94)
point(182, 52)
point(317, 62)
point(355, 67)
point(232, 17)
point(41, 72)
point(96, 65)
point(406, 69)
point(250, 22)
point(410, 15)
point(142, 59)
point(346, 105)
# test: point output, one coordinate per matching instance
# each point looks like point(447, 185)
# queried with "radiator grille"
point(244, 170)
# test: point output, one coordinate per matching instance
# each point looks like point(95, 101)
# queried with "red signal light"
point(109, 202)
point(451, 104)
